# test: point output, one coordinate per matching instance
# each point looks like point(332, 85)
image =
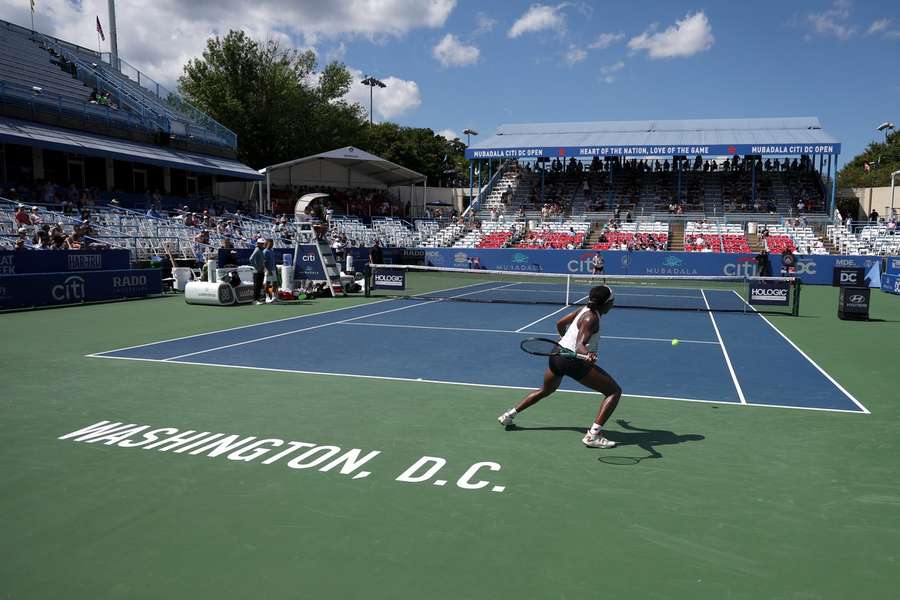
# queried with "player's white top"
point(569, 339)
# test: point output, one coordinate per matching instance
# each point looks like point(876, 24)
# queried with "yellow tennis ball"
point(675, 342)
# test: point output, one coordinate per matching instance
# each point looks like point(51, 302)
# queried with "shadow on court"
point(647, 440)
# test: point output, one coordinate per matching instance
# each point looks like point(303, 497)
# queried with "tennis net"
point(696, 293)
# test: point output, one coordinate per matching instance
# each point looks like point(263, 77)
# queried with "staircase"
point(755, 242)
point(676, 236)
point(593, 236)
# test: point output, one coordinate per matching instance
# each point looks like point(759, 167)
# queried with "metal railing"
point(157, 107)
point(172, 99)
point(47, 103)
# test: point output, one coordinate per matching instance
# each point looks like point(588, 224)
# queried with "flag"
point(100, 29)
point(32, 5)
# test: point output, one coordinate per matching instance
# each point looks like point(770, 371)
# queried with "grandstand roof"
point(357, 167)
point(771, 136)
point(14, 131)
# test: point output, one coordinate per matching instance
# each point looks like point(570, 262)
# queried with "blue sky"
point(452, 64)
point(766, 59)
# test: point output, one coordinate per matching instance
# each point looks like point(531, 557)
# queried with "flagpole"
point(32, 20)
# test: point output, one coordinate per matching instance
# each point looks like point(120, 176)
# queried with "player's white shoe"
point(505, 419)
point(597, 441)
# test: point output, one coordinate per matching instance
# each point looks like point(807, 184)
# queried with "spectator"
point(21, 217)
point(258, 262)
point(271, 272)
point(873, 216)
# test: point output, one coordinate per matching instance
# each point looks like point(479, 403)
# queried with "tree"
point(271, 97)
point(282, 108)
point(883, 159)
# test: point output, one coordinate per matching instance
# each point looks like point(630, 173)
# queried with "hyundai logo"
point(857, 299)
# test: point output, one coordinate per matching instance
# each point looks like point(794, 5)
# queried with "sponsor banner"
point(854, 301)
point(893, 265)
point(307, 265)
point(848, 276)
point(890, 283)
point(652, 150)
point(389, 279)
point(48, 289)
point(769, 293)
point(23, 262)
point(810, 269)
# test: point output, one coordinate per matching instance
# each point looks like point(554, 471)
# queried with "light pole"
point(885, 127)
point(893, 175)
point(469, 133)
point(372, 82)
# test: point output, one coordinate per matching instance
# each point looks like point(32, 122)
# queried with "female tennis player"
point(579, 331)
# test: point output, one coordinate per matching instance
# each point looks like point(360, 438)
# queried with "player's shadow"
point(647, 440)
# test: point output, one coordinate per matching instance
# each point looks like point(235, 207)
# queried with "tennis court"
point(722, 357)
point(399, 488)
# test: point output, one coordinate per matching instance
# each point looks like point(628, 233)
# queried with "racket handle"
point(583, 356)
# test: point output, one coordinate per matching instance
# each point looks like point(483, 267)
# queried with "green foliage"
point(281, 108)
point(883, 160)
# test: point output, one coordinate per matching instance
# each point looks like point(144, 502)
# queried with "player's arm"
point(586, 328)
point(564, 323)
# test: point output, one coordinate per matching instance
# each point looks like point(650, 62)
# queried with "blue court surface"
point(734, 358)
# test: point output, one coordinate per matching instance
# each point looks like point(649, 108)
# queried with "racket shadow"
point(648, 440)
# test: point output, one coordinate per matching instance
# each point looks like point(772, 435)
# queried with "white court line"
point(559, 310)
point(806, 356)
point(459, 383)
point(605, 337)
point(269, 337)
point(187, 337)
point(734, 378)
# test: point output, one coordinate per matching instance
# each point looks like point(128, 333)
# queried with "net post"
point(795, 309)
point(568, 288)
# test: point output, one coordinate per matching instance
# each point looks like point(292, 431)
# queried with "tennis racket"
point(547, 347)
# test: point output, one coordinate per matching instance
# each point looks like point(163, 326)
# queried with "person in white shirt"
point(579, 332)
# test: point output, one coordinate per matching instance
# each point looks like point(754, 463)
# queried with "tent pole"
point(834, 184)
point(471, 171)
point(268, 191)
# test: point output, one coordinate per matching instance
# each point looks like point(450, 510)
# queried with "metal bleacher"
point(41, 75)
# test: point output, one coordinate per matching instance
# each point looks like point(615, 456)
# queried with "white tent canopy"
point(347, 167)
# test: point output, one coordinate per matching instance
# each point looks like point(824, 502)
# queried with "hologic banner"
point(22, 262)
point(389, 279)
point(660, 150)
point(770, 293)
point(49, 289)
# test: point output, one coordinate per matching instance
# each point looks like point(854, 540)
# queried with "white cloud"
point(337, 53)
point(447, 134)
point(539, 17)
point(158, 37)
point(686, 37)
point(878, 26)
point(451, 52)
point(574, 55)
point(485, 24)
point(609, 71)
point(605, 40)
point(833, 21)
point(399, 97)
